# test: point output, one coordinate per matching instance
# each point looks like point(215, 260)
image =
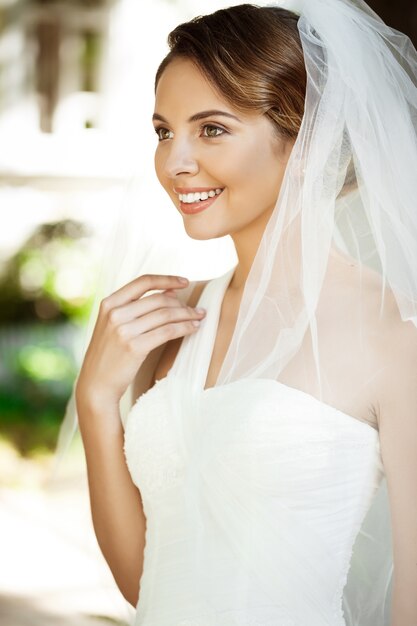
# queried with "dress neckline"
point(194, 356)
point(213, 297)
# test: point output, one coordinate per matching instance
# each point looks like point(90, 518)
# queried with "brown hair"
point(252, 56)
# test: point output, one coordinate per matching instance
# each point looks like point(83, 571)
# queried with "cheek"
point(160, 159)
point(255, 171)
point(163, 179)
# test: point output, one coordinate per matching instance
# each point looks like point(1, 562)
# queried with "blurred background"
point(76, 99)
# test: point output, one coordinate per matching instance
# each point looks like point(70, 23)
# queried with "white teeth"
point(188, 198)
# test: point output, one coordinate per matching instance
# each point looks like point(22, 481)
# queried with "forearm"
point(116, 507)
point(404, 602)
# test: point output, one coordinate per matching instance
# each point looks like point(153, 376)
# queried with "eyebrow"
point(198, 116)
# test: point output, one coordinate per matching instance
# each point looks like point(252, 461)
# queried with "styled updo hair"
point(252, 56)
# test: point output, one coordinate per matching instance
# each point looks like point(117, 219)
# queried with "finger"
point(139, 286)
point(137, 308)
point(159, 318)
point(158, 336)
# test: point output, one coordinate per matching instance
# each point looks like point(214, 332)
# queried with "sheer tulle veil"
point(348, 199)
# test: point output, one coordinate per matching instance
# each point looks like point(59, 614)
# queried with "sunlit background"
point(76, 98)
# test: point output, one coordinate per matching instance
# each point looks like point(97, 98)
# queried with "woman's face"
point(205, 146)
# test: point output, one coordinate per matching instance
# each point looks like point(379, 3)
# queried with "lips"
point(200, 205)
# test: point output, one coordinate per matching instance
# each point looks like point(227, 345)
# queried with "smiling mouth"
point(196, 202)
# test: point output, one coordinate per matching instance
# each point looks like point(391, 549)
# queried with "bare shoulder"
point(395, 337)
point(399, 389)
point(394, 341)
point(158, 361)
point(363, 286)
point(384, 344)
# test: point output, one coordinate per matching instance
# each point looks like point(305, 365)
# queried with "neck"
point(289, 254)
point(246, 244)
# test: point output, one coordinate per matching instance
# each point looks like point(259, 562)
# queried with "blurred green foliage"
point(50, 278)
point(34, 389)
point(46, 293)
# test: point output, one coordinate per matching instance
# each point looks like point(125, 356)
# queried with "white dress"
point(253, 492)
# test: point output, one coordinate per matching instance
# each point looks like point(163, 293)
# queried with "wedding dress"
point(253, 499)
point(265, 505)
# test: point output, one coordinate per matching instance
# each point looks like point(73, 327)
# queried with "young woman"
point(271, 404)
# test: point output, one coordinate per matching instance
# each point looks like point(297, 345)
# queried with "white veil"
point(346, 211)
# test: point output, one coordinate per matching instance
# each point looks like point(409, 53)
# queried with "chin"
point(203, 232)
point(199, 234)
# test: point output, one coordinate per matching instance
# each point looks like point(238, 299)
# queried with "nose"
point(180, 159)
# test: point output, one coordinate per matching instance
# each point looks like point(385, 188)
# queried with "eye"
point(163, 133)
point(212, 130)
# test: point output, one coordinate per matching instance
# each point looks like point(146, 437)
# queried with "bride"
point(273, 403)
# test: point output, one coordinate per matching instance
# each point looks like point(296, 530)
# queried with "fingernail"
point(199, 310)
point(182, 279)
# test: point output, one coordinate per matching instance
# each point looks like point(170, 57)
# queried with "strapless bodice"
point(253, 492)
